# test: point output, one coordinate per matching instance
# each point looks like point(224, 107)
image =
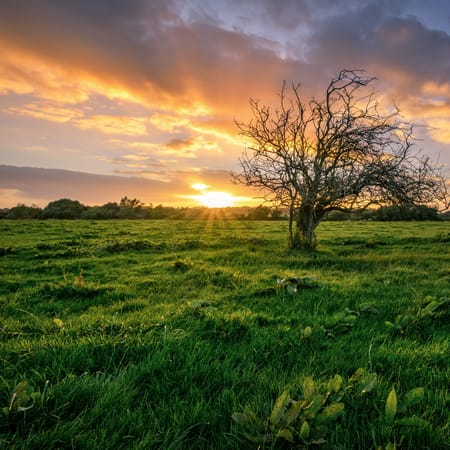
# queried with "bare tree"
point(337, 153)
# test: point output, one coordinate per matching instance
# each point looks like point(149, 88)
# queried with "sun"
point(213, 199)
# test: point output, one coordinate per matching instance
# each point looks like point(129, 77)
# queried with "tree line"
point(133, 208)
point(129, 208)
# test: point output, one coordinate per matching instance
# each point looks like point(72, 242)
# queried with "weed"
point(307, 420)
point(415, 321)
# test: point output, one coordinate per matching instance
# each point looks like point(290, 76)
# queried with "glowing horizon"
point(215, 199)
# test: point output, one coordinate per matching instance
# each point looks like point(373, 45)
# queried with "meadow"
point(179, 334)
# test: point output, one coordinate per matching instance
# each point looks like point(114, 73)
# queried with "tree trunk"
point(291, 222)
point(306, 223)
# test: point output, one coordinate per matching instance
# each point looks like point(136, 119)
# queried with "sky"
point(139, 98)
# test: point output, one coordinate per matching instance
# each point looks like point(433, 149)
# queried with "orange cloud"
point(432, 108)
point(47, 111)
point(171, 69)
point(135, 157)
point(143, 146)
point(440, 130)
point(216, 130)
point(192, 145)
point(128, 126)
point(208, 128)
point(184, 148)
point(432, 88)
point(169, 122)
point(25, 73)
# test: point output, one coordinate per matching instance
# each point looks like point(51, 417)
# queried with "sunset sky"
point(139, 97)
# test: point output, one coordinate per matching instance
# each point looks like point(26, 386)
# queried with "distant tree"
point(259, 213)
point(131, 209)
point(336, 216)
point(130, 202)
point(334, 154)
point(405, 212)
point(110, 210)
point(162, 212)
point(63, 209)
point(424, 213)
point(22, 211)
point(276, 214)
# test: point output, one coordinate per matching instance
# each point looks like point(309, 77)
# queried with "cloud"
point(439, 130)
point(106, 124)
point(191, 146)
point(161, 53)
point(42, 185)
point(175, 148)
point(400, 51)
point(222, 128)
point(137, 157)
point(36, 148)
point(127, 126)
point(157, 59)
point(141, 160)
point(440, 91)
point(135, 171)
point(47, 111)
point(22, 72)
point(141, 146)
point(169, 122)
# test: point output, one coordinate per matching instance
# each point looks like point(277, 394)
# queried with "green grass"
point(152, 334)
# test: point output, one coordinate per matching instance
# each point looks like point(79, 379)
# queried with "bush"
point(22, 211)
point(63, 209)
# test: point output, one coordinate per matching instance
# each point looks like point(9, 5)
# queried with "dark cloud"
point(179, 144)
point(425, 53)
point(399, 50)
point(45, 185)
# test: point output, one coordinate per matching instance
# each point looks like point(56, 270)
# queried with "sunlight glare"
point(214, 199)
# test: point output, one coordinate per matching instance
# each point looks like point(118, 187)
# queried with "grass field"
point(177, 335)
